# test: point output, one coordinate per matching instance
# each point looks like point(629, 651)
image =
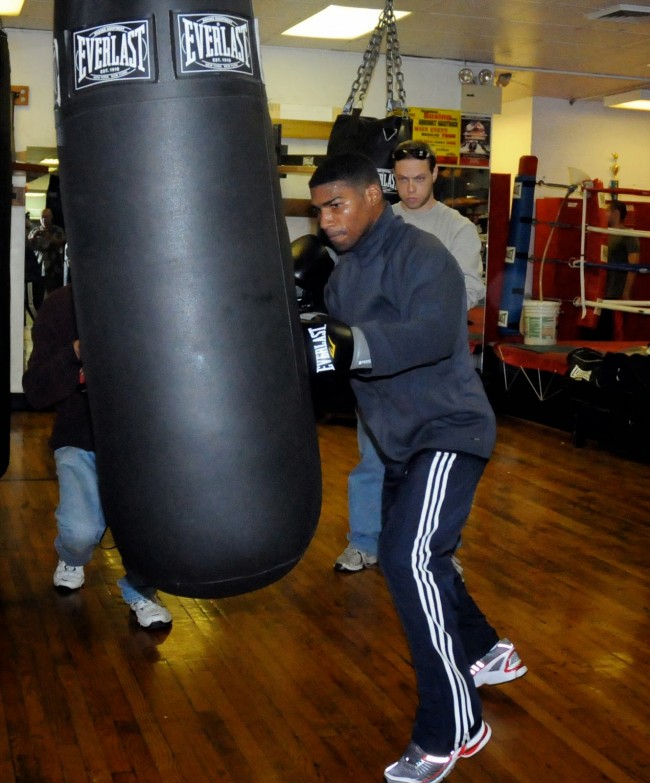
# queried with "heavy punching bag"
point(5, 247)
point(206, 446)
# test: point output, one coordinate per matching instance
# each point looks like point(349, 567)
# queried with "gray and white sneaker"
point(67, 577)
point(150, 613)
point(501, 664)
point(416, 766)
point(353, 559)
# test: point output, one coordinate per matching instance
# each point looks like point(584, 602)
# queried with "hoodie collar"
point(369, 244)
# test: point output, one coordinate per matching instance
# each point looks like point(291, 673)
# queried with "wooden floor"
point(309, 679)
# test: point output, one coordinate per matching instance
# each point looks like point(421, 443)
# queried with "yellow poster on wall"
point(440, 128)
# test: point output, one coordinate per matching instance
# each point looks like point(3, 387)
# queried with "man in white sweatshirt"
point(416, 171)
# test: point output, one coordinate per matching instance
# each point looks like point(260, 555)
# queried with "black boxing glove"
point(312, 266)
point(333, 346)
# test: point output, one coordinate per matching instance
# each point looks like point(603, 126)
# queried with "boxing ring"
point(598, 304)
point(542, 366)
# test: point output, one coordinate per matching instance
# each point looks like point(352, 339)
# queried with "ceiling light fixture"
point(340, 22)
point(466, 76)
point(634, 99)
point(621, 12)
point(11, 7)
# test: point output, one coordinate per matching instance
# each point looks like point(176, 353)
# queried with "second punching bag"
point(206, 446)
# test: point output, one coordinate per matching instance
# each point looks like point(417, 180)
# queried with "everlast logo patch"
point(214, 42)
point(318, 336)
point(118, 51)
point(387, 178)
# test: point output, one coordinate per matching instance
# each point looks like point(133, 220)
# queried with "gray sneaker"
point(67, 577)
point(150, 613)
point(416, 766)
point(501, 664)
point(353, 559)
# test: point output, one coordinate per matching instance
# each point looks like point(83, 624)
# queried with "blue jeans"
point(80, 519)
point(365, 484)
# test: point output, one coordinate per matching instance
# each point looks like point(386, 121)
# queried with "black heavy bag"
point(376, 137)
point(206, 445)
point(5, 246)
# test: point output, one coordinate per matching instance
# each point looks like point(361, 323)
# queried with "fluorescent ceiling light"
point(11, 7)
point(341, 22)
point(621, 12)
point(635, 99)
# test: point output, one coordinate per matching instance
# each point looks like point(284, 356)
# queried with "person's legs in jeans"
point(79, 515)
point(364, 496)
point(81, 525)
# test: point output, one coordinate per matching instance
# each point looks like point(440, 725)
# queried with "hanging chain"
point(386, 24)
point(393, 64)
point(364, 73)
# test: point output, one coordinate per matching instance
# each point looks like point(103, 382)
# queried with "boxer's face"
point(345, 211)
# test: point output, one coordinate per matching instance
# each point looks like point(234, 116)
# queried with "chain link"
point(385, 25)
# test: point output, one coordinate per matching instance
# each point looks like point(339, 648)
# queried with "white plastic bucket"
point(540, 322)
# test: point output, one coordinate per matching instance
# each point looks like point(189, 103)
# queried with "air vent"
point(621, 12)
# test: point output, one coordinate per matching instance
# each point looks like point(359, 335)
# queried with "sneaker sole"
point(66, 590)
point(499, 677)
point(155, 626)
point(468, 752)
point(441, 776)
point(347, 570)
point(354, 569)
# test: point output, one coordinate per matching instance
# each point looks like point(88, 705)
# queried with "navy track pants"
point(426, 503)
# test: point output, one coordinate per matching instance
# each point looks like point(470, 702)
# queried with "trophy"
point(613, 183)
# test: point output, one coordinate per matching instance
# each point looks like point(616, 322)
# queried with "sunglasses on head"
point(420, 153)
